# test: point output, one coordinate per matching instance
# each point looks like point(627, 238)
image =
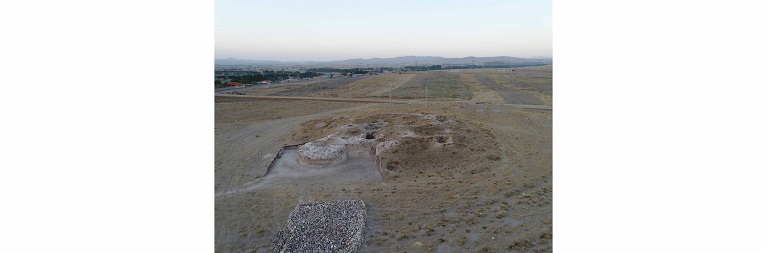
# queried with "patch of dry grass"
point(480, 92)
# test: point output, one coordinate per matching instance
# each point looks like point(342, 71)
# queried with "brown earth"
point(464, 176)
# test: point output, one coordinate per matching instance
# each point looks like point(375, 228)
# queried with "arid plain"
point(466, 167)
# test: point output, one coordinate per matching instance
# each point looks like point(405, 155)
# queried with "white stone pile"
point(334, 149)
point(333, 226)
point(320, 153)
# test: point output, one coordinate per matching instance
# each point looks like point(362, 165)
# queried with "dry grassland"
point(442, 86)
point(479, 92)
point(375, 86)
point(469, 174)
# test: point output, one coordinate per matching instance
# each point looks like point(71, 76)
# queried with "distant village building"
point(265, 82)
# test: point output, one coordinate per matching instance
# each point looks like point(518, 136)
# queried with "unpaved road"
point(367, 100)
point(356, 100)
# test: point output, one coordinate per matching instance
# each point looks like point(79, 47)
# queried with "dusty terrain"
point(470, 171)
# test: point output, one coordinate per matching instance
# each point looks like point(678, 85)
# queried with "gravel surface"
point(332, 226)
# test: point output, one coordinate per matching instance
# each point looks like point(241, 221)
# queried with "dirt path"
point(360, 100)
point(368, 100)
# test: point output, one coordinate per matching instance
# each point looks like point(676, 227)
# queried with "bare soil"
point(463, 176)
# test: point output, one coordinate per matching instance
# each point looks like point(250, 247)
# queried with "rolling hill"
point(394, 62)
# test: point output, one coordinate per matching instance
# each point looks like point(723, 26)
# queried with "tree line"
point(353, 70)
point(255, 76)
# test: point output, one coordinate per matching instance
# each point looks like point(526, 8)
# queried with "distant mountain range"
point(394, 62)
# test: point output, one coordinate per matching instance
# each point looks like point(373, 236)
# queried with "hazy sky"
point(337, 30)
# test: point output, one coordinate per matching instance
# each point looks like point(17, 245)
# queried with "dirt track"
point(356, 100)
point(366, 100)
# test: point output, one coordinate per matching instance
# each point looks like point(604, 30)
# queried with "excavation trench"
point(328, 161)
point(286, 169)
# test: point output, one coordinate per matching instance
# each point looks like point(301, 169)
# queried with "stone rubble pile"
point(333, 226)
point(321, 153)
point(334, 149)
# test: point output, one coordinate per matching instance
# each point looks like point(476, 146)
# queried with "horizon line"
point(545, 57)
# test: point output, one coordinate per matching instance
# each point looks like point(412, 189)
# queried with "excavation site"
point(329, 160)
point(469, 170)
